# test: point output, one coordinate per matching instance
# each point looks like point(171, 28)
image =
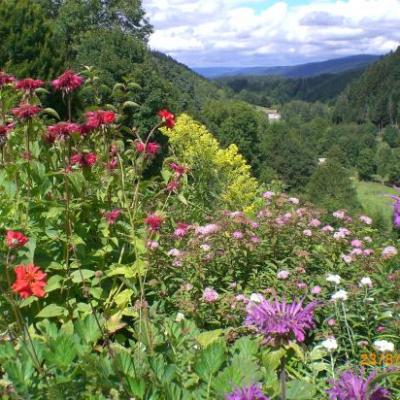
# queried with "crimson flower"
point(154, 221)
point(83, 159)
point(15, 239)
point(172, 186)
point(5, 79)
point(30, 281)
point(4, 129)
point(112, 164)
point(252, 392)
point(25, 111)
point(167, 117)
point(61, 130)
point(354, 387)
point(96, 119)
point(68, 81)
point(140, 147)
point(29, 84)
point(178, 169)
point(152, 148)
point(112, 216)
point(281, 322)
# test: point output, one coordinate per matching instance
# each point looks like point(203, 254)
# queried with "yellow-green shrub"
point(221, 176)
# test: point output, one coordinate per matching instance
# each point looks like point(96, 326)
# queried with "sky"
point(218, 33)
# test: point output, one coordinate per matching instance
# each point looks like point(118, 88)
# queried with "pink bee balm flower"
point(175, 253)
point(26, 111)
point(331, 322)
point(314, 223)
point(340, 214)
point(173, 186)
point(112, 164)
point(268, 195)
point(83, 159)
point(237, 235)
point(356, 252)
point(357, 243)
point(316, 290)
point(154, 222)
point(68, 82)
point(307, 232)
point(152, 148)
point(207, 230)
point(181, 230)
point(61, 130)
point(205, 247)
point(210, 295)
point(112, 216)
point(327, 228)
point(255, 239)
point(15, 239)
point(389, 252)
point(368, 252)
point(281, 322)
point(152, 245)
point(283, 274)
point(366, 220)
point(347, 259)
point(29, 84)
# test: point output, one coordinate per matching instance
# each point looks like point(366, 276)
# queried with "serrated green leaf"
point(51, 311)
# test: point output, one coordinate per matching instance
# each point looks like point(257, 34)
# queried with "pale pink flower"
point(316, 290)
point(347, 259)
point(268, 195)
point(389, 252)
point(152, 245)
point(210, 295)
point(357, 243)
point(340, 214)
point(314, 223)
point(237, 235)
point(366, 220)
point(283, 274)
point(327, 228)
point(307, 232)
point(294, 200)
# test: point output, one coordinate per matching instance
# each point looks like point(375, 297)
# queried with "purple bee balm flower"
point(281, 322)
point(354, 387)
point(252, 392)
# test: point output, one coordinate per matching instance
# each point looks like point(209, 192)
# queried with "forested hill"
point(193, 90)
point(269, 90)
point(375, 96)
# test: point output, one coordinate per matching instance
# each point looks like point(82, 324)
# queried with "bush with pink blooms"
point(117, 284)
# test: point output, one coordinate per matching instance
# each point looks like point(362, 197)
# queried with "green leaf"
point(210, 360)
point(300, 390)
point(88, 329)
point(272, 359)
point(123, 298)
point(82, 275)
point(130, 104)
point(51, 311)
point(206, 338)
point(52, 112)
point(53, 283)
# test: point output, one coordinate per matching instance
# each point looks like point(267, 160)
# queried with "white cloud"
point(232, 32)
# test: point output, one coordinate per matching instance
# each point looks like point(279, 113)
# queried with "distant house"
point(273, 115)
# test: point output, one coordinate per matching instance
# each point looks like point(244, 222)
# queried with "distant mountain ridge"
point(332, 66)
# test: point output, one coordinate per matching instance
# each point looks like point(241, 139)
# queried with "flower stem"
point(282, 378)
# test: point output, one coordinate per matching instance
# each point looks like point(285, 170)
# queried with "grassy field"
point(376, 201)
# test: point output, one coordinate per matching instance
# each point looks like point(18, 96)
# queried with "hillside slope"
point(333, 66)
point(375, 96)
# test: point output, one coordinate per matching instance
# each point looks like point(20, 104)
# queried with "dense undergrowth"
point(193, 283)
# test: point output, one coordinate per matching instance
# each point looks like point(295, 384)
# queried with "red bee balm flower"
point(152, 148)
point(95, 119)
point(30, 281)
point(68, 82)
point(25, 111)
point(29, 84)
point(112, 216)
point(5, 79)
point(15, 239)
point(167, 117)
point(179, 169)
point(154, 221)
point(83, 159)
point(61, 130)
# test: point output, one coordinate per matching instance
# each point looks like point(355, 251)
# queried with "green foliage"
point(374, 97)
point(28, 45)
point(331, 187)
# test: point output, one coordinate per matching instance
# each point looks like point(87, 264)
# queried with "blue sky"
point(203, 33)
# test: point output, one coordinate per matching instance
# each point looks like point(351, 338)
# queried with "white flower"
point(330, 344)
point(256, 298)
point(340, 295)
point(383, 346)
point(179, 317)
point(366, 281)
point(205, 247)
point(294, 200)
point(334, 278)
point(174, 253)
